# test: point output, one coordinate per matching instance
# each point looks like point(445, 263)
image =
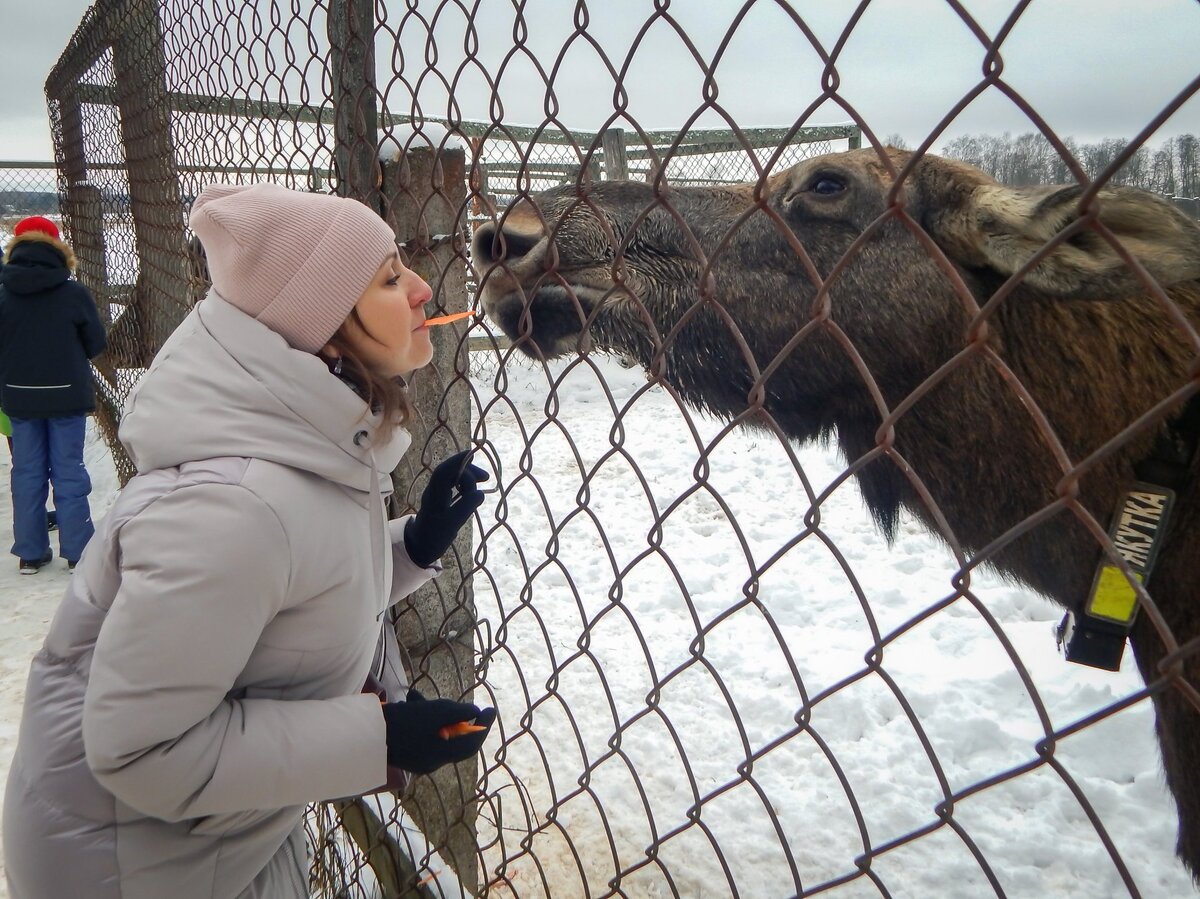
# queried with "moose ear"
point(1003, 227)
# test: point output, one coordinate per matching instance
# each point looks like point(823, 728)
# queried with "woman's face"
point(392, 339)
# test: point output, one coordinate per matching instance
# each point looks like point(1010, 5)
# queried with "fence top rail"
point(28, 164)
point(767, 136)
point(202, 104)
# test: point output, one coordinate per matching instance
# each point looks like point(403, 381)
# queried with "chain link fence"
point(27, 188)
point(682, 624)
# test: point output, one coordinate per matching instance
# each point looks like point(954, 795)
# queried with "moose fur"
point(827, 294)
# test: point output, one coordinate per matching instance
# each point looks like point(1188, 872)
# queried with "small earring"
point(337, 366)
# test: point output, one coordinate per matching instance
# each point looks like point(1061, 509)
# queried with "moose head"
point(996, 360)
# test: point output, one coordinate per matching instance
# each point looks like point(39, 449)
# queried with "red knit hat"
point(36, 223)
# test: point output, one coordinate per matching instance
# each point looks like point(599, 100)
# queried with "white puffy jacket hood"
point(247, 393)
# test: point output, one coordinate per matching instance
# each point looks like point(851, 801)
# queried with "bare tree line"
point(1171, 169)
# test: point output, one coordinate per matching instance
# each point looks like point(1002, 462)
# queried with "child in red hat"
point(49, 330)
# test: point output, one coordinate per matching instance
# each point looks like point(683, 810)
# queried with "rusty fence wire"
point(714, 676)
point(26, 188)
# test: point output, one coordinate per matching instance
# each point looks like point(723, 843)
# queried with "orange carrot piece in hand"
point(429, 878)
point(446, 319)
point(459, 729)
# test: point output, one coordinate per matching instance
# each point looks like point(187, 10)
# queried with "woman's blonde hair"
point(385, 395)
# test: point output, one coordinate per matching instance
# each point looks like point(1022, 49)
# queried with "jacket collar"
point(230, 386)
point(33, 267)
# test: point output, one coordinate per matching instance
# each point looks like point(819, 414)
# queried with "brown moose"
point(840, 305)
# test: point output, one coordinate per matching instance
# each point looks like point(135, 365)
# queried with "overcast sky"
point(1092, 68)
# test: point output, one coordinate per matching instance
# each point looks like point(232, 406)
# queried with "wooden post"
point(87, 227)
point(423, 194)
point(72, 155)
point(161, 295)
point(351, 28)
point(83, 220)
point(83, 212)
point(425, 200)
point(654, 167)
point(482, 203)
point(615, 166)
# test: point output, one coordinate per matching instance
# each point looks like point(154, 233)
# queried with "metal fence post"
point(425, 199)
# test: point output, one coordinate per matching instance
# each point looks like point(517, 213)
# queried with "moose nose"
point(509, 241)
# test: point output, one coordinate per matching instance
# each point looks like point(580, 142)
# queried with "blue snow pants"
point(45, 452)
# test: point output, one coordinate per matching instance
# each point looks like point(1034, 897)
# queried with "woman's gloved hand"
point(413, 739)
point(442, 514)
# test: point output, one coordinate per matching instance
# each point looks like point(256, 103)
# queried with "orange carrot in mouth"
point(446, 319)
point(459, 729)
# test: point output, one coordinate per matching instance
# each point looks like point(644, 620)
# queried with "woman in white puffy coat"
point(202, 680)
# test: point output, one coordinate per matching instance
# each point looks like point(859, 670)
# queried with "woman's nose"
point(420, 292)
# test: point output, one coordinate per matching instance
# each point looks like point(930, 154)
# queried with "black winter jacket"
point(49, 329)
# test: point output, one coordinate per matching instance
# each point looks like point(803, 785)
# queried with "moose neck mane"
point(972, 442)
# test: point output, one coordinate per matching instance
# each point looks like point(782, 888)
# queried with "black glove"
point(429, 534)
point(413, 741)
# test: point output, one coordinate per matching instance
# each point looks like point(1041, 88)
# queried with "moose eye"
point(827, 185)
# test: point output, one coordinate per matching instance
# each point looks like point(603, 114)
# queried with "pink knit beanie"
point(297, 262)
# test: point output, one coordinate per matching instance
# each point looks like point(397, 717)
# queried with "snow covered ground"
point(591, 634)
point(596, 614)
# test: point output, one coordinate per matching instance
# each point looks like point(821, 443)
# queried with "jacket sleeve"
point(3, 335)
point(203, 570)
point(91, 331)
point(407, 576)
